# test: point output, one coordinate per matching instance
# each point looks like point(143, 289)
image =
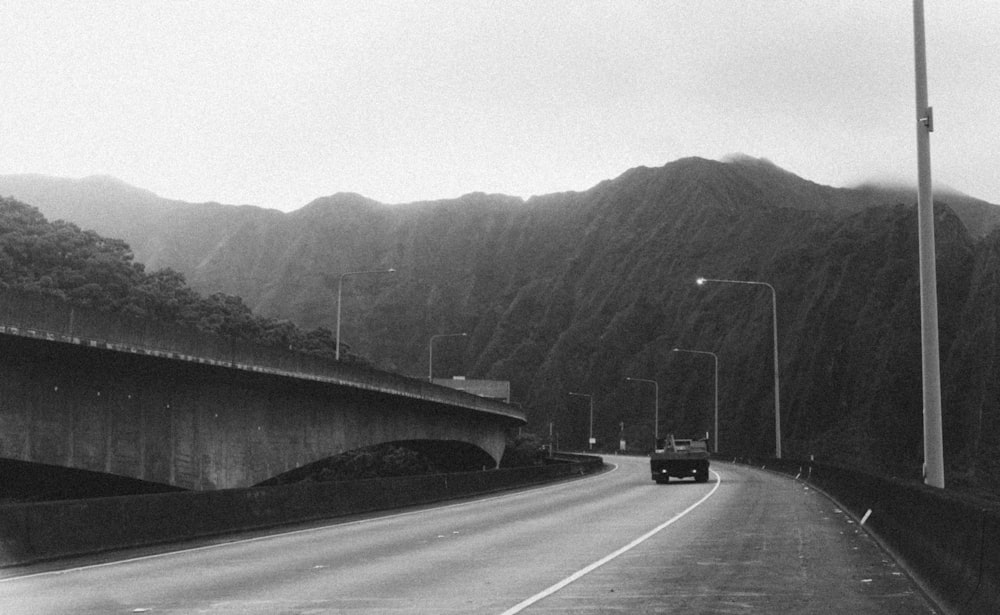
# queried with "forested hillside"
point(87, 270)
point(577, 291)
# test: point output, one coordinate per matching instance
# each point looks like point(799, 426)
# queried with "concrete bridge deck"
point(208, 423)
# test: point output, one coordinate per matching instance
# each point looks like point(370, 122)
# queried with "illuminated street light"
point(430, 352)
point(590, 439)
point(774, 326)
point(340, 286)
point(656, 408)
point(715, 434)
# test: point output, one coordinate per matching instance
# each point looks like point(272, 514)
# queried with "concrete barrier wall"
point(950, 541)
point(50, 530)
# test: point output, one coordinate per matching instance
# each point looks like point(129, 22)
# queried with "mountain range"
point(576, 291)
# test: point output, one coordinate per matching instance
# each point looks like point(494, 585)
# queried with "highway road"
point(747, 541)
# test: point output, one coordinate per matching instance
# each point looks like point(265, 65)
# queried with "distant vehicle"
point(679, 458)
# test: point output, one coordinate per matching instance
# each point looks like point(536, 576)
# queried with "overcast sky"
point(277, 103)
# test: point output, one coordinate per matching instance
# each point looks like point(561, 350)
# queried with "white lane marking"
point(614, 468)
point(517, 608)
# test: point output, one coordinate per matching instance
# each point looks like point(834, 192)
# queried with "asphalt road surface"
point(745, 542)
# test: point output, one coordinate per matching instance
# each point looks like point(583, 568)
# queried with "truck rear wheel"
point(701, 474)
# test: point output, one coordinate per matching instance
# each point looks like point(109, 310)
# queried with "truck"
point(679, 458)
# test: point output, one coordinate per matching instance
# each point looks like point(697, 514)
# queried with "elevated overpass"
point(212, 419)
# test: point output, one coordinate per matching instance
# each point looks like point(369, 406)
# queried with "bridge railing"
point(46, 317)
point(47, 314)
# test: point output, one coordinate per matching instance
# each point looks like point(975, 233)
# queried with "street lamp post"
point(340, 287)
point(590, 438)
point(430, 352)
point(774, 327)
point(715, 434)
point(930, 357)
point(656, 407)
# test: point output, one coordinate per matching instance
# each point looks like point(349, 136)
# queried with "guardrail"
point(950, 541)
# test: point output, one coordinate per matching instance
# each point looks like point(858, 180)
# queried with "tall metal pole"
point(933, 443)
point(430, 352)
point(656, 407)
point(590, 438)
point(715, 434)
point(777, 380)
point(340, 287)
point(777, 389)
point(715, 426)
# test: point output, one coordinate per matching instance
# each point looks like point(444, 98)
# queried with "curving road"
point(745, 542)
